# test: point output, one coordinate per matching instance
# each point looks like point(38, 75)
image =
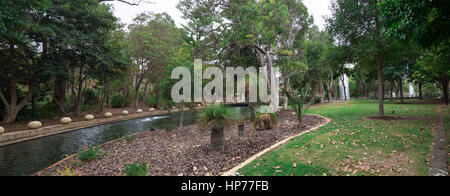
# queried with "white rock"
point(89, 117)
point(125, 112)
point(199, 105)
point(174, 107)
point(66, 120)
point(140, 111)
point(108, 114)
point(2, 130)
point(35, 125)
point(152, 109)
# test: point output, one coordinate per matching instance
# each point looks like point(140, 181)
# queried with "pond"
point(32, 156)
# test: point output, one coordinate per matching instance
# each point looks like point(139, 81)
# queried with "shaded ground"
point(354, 145)
point(22, 126)
point(394, 118)
point(439, 165)
point(187, 154)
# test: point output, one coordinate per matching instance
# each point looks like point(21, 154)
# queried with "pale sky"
point(126, 13)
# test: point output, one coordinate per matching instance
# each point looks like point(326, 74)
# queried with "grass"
point(352, 145)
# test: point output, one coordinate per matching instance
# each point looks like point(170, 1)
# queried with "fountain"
point(346, 95)
point(412, 92)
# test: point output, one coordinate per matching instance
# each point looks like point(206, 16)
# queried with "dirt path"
point(439, 165)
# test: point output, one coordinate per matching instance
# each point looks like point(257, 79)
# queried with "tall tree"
point(427, 23)
point(151, 38)
point(19, 60)
point(359, 24)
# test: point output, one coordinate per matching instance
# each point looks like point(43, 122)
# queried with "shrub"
point(66, 172)
point(298, 103)
point(265, 121)
point(130, 138)
point(90, 154)
point(168, 127)
point(151, 101)
point(119, 101)
point(90, 97)
point(136, 169)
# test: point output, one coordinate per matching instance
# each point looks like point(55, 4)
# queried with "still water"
point(32, 156)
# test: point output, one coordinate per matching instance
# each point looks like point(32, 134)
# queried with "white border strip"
point(233, 171)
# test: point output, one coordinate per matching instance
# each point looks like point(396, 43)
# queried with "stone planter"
point(140, 111)
point(152, 109)
point(2, 130)
point(108, 115)
point(35, 125)
point(89, 117)
point(199, 105)
point(66, 120)
point(125, 112)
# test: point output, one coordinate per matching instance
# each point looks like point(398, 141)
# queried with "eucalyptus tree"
point(151, 38)
point(358, 24)
point(262, 33)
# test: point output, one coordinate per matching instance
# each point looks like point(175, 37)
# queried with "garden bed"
point(187, 154)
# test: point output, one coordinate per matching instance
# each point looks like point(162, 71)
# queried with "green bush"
point(317, 100)
point(136, 169)
point(119, 101)
point(130, 138)
point(298, 103)
point(151, 101)
point(90, 154)
point(168, 127)
point(90, 97)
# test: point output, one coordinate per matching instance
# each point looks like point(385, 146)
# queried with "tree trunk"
point(400, 84)
point(100, 107)
point(217, 139)
point(33, 106)
point(345, 88)
point(12, 108)
point(286, 100)
point(180, 129)
point(136, 98)
point(380, 85)
point(322, 91)
point(392, 90)
point(241, 130)
point(80, 94)
point(444, 85)
point(420, 90)
point(330, 96)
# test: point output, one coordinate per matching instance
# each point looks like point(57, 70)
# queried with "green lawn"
point(352, 145)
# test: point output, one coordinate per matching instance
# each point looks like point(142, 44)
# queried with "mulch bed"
point(187, 153)
point(22, 126)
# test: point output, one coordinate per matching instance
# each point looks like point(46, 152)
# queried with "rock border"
point(23, 136)
point(233, 171)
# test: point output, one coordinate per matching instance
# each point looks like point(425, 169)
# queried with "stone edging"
point(233, 171)
point(22, 136)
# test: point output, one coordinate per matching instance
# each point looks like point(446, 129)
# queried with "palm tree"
point(216, 118)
